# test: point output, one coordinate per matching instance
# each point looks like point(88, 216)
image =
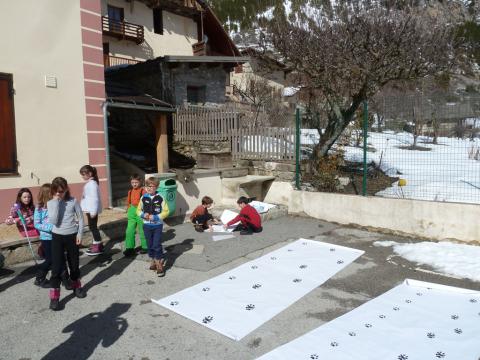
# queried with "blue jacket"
point(152, 205)
point(40, 221)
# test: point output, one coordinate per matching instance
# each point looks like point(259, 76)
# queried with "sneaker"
point(129, 252)
point(160, 268)
point(153, 265)
point(95, 249)
point(54, 304)
point(66, 281)
point(80, 292)
point(246, 232)
point(198, 228)
point(143, 251)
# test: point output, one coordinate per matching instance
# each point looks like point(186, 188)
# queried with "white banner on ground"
point(413, 321)
point(240, 300)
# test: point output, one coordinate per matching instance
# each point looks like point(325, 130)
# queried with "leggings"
point(92, 225)
point(60, 244)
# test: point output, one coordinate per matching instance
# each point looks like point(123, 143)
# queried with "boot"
point(54, 299)
point(160, 269)
point(153, 265)
point(67, 283)
point(78, 290)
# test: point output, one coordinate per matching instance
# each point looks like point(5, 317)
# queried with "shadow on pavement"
point(88, 332)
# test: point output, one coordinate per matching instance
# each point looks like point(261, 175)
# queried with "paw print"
point(340, 262)
point(250, 307)
point(382, 316)
point(314, 356)
point(332, 249)
point(304, 243)
point(419, 294)
point(454, 317)
point(402, 357)
point(232, 277)
point(289, 250)
point(408, 301)
point(458, 331)
point(254, 267)
point(297, 280)
point(206, 289)
point(303, 266)
point(473, 300)
point(173, 303)
point(431, 335)
point(396, 308)
point(207, 319)
point(256, 286)
point(273, 258)
point(368, 325)
point(334, 344)
point(351, 333)
point(440, 355)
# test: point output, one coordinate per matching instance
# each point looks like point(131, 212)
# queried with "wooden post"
point(162, 143)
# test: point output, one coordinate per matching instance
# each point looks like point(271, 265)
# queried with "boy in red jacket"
point(249, 218)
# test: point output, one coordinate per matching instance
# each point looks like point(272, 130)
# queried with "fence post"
point(365, 135)
point(297, 148)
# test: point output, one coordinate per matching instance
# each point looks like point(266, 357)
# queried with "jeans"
point(60, 244)
point(153, 234)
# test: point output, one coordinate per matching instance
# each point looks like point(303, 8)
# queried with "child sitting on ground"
point(249, 218)
point(24, 206)
point(201, 218)
point(134, 221)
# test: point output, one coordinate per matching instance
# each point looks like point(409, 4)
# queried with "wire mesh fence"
point(424, 147)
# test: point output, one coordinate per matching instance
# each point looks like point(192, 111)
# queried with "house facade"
point(51, 92)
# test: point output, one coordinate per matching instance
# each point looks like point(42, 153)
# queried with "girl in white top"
point(92, 206)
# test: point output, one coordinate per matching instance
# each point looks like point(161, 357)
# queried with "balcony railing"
point(122, 30)
point(109, 60)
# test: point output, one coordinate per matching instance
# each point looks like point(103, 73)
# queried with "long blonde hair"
point(44, 194)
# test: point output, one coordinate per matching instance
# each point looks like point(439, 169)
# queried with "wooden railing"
point(123, 30)
point(109, 60)
point(263, 143)
point(199, 123)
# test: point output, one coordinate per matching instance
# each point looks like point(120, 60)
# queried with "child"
point(40, 219)
point(64, 213)
point(152, 209)
point(249, 218)
point(92, 206)
point(24, 204)
point(201, 218)
point(134, 222)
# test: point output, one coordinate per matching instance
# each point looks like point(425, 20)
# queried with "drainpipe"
point(107, 153)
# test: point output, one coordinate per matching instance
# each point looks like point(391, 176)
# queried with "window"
point(158, 21)
point(115, 18)
point(196, 94)
point(8, 147)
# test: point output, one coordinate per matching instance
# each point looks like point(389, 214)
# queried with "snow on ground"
point(459, 260)
point(443, 173)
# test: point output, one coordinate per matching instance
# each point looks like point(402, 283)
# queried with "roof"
point(119, 95)
point(204, 59)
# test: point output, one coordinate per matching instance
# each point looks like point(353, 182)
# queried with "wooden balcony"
point(122, 30)
point(109, 60)
point(199, 49)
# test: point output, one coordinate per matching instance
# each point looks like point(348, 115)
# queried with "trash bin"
point(168, 190)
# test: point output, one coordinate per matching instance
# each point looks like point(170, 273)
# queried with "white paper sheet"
point(240, 300)
point(261, 207)
point(227, 216)
point(221, 229)
point(413, 321)
point(222, 237)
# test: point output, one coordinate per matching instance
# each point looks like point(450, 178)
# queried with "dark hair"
point(91, 170)
point(135, 177)
point(44, 194)
point(242, 200)
point(60, 182)
point(207, 200)
point(19, 199)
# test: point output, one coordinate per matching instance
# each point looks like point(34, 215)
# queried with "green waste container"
point(168, 190)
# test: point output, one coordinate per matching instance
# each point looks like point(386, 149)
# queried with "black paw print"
point(206, 289)
point(297, 280)
point(351, 333)
point(254, 267)
point(273, 258)
point(454, 317)
point(396, 308)
point(408, 301)
point(250, 307)
point(314, 356)
point(334, 344)
point(207, 319)
point(289, 250)
point(430, 335)
point(304, 243)
point(256, 286)
point(382, 316)
point(303, 266)
point(440, 354)
point(174, 303)
point(458, 331)
point(332, 249)
point(340, 262)
point(232, 277)
point(402, 357)
point(419, 294)
point(368, 325)
point(473, 300)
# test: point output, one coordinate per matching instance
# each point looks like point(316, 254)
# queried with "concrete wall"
point(179, 33)
point(274, 79)
point(435, 220)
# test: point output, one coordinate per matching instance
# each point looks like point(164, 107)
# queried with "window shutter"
point(8, 151)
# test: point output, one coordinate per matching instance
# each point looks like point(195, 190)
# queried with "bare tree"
point(353, 52)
